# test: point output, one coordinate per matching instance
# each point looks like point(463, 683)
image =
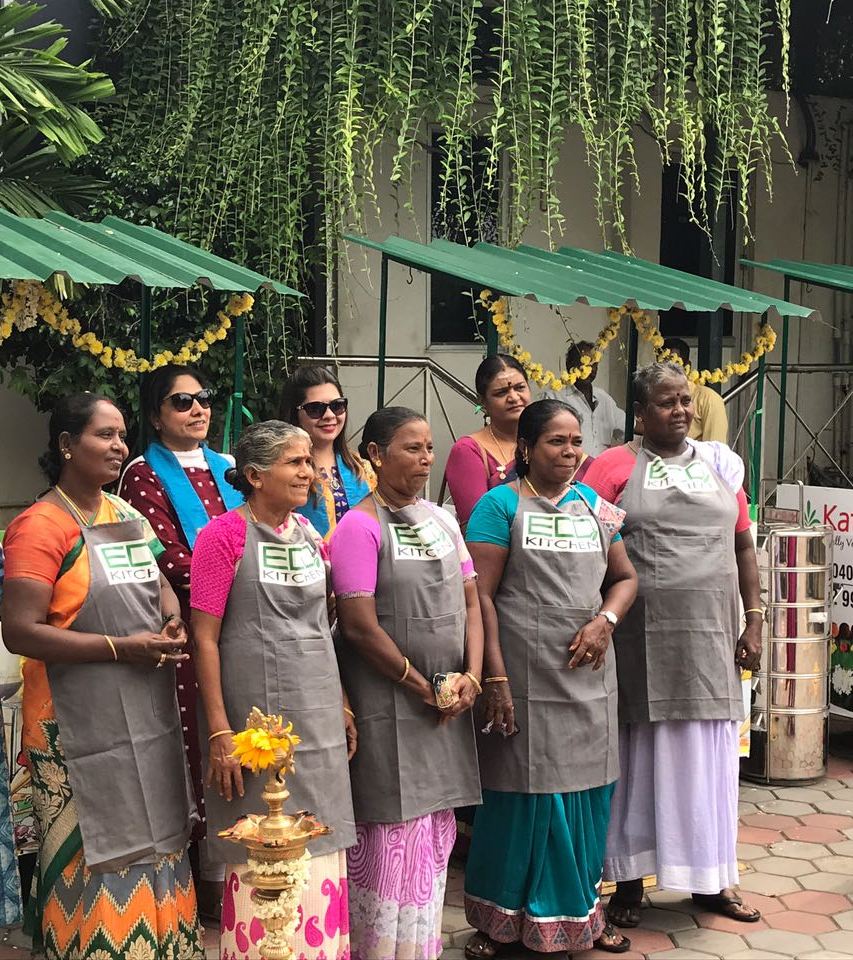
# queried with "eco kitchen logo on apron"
point(694, 478)
point(289, 566)
point(129, 561)
point(560, 533)
point(426, 540)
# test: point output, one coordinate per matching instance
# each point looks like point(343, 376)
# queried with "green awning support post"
point(383, 330)
point(145, 323)
point(633, 348)
point(239, 359)
point(757, 436)
point(783, 390)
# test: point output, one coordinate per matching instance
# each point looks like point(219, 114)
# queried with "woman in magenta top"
point(484, 459)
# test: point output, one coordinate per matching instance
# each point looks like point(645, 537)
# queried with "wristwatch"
point(609, 616)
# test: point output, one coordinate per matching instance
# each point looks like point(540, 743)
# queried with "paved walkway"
point(796, 853)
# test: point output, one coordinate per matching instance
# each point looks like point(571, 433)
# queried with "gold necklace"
point(504, 460)
point(554, 500)
point(76, 508)
point(384, 503)
point(253, 516)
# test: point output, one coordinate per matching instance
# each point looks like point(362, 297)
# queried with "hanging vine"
point(274, 123)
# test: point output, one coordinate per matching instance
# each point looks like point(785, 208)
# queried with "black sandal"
point(480, 946)
point(623, 945)
point(727, 906)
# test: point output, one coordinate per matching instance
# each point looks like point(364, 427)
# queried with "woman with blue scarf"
point(178, 484)
point(313, 399)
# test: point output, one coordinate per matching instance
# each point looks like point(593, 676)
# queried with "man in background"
point(603, 422)
point(710, 421)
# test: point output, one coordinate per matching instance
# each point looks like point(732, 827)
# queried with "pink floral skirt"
point(323, 930)
point(397, 877)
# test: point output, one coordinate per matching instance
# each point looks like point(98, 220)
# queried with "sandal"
point(480, 946)
point(622, 945)
point(728, 905)
point(625, 915)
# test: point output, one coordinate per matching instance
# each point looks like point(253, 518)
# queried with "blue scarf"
point(182, 494)
point(355, 488)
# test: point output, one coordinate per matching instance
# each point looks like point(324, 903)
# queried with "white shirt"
point(600, 421)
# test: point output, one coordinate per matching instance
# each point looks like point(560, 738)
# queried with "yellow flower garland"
point(765, 341)
point(33, 299)
point(535, 371)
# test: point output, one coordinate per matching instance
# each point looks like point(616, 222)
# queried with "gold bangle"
point(474, 680)
point(219, 733)
point(496, 680)
point(112, 647)
point(347, 710)
point(406, 670)
point(754, 610)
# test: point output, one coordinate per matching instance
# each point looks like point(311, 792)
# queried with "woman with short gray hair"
point(260, 623)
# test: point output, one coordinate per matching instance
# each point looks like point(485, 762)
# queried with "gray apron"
point(276, 653)
point(119, 722)
point(675, 648)
point(550, 588)
point(408, 764)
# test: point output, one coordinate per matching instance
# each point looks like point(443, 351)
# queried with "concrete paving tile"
point(831, 882)
point(755, 794)
point(673, 900)
point(844, 848)
point(649, 941)
point(839, 768)
point(756, 955)
point(454, 898)
point(680, 954)
point(781, 941)
point(803, 794)
point(813, 834)
point(848, 832)
point(799, 850)
point(666, 921)
point(715, 921)
point(841, 791)
point(825, 955)
point(814, 901)
point(834, 821)
point(746, 808)
point(751, 851)
point(784, 866)
point(765, 905)
point(791, 808)
point(769, 821)
point(828, 783)
point(452, 953)
point(836, 805)
point(460, 938)
point(589, 955)
point(844, 920)
point(710, 941)
point(453, 919)
point(838, 940)
point(800, 922)
point(758, 836)
point(768, 884)
point(835, 864)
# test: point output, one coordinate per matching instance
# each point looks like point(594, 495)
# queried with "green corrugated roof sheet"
point(571, 275)
point(834, 275)
point(112, 251)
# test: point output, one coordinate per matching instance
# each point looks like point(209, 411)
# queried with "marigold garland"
point(28, 301)
point(535, 371)
point(764, 342)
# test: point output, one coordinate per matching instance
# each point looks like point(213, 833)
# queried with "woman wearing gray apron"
point(678, 654)
point(411, 653)
point(100, 626)
point(261, 626)
point(553, 579)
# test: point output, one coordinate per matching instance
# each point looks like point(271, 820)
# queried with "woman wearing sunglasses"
point(178, 484)
point(313, 399)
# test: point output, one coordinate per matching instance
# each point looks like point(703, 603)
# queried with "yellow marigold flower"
point(596, 356)
point(486, 294)
point(209, 336)
point(96, 348)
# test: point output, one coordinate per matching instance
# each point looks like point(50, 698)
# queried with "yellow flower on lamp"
point(257, 748)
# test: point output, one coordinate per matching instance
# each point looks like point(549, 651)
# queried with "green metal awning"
point(573, 275)
point(836, 276)
point(115, 250)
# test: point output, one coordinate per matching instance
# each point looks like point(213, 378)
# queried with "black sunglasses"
point(184, 401)
point(315, 409)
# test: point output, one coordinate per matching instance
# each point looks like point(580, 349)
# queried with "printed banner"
point(833, 507)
